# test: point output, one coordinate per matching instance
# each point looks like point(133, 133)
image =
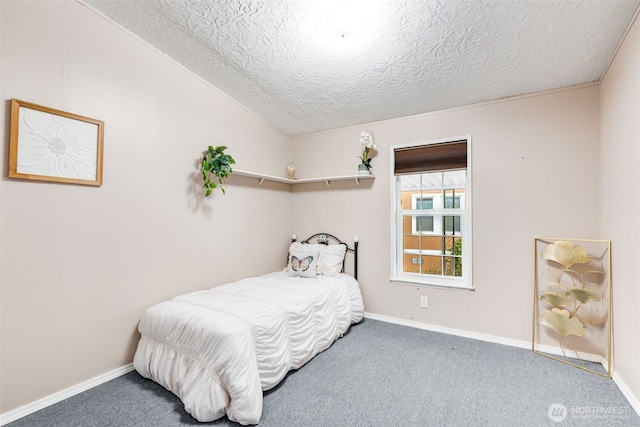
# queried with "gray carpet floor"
point(380, 374)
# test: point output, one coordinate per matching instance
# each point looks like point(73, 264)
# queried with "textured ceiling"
point(306, 66)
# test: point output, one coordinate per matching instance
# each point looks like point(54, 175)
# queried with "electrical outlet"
point(424, 302)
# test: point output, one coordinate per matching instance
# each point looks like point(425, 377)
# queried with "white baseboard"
point(23, 411)
point(484, 337)
point(449, 331)
point(633, 400)
point(79, 388)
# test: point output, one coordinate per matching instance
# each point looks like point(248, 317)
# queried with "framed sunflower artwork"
point(572, 302)
point(52, 145)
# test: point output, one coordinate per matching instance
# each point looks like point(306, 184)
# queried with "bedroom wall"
point(535, 166)
point(620, 155)
point(80, 264)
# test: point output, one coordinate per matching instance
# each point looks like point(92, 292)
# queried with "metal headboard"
point(326, 239)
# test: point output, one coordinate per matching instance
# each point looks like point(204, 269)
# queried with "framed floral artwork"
point(572, 302)
point(52, 145)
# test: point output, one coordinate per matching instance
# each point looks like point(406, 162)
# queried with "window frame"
point(438, 204)
point(465, 282)
point(414, 219)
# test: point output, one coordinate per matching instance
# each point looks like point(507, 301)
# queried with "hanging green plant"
point(215, 163)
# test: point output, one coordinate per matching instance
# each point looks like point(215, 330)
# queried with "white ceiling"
point(307, 66)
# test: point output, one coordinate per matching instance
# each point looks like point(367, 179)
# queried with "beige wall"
point(80, 264)
point(535, 162)
point(620, 156)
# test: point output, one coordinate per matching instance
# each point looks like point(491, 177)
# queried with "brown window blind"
point(431, 158)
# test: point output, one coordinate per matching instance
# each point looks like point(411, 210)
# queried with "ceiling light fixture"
point(343, 25)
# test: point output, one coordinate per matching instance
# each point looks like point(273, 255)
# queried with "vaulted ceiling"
point(307, 66)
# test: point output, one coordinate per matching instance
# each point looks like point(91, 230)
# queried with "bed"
point(219, 349)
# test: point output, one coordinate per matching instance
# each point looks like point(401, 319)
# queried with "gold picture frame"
point(572, 305)
point(46, 144)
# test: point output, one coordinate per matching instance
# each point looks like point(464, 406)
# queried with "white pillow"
point(331, 259)
point(300, 247)
point(303, 263)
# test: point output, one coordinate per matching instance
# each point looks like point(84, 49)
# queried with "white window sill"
point(433, 282)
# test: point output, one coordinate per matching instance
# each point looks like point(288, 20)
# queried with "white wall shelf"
point(327, 179)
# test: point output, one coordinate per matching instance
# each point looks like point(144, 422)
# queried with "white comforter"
point(218, 349)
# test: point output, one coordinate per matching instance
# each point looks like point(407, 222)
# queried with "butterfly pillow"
point(303, 264)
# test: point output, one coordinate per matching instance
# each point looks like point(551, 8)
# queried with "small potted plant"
point(368, 145)
point(215, 164)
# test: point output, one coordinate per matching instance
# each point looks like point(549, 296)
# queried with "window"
point(428, 224)
point(432, 213)
point(424, 223)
